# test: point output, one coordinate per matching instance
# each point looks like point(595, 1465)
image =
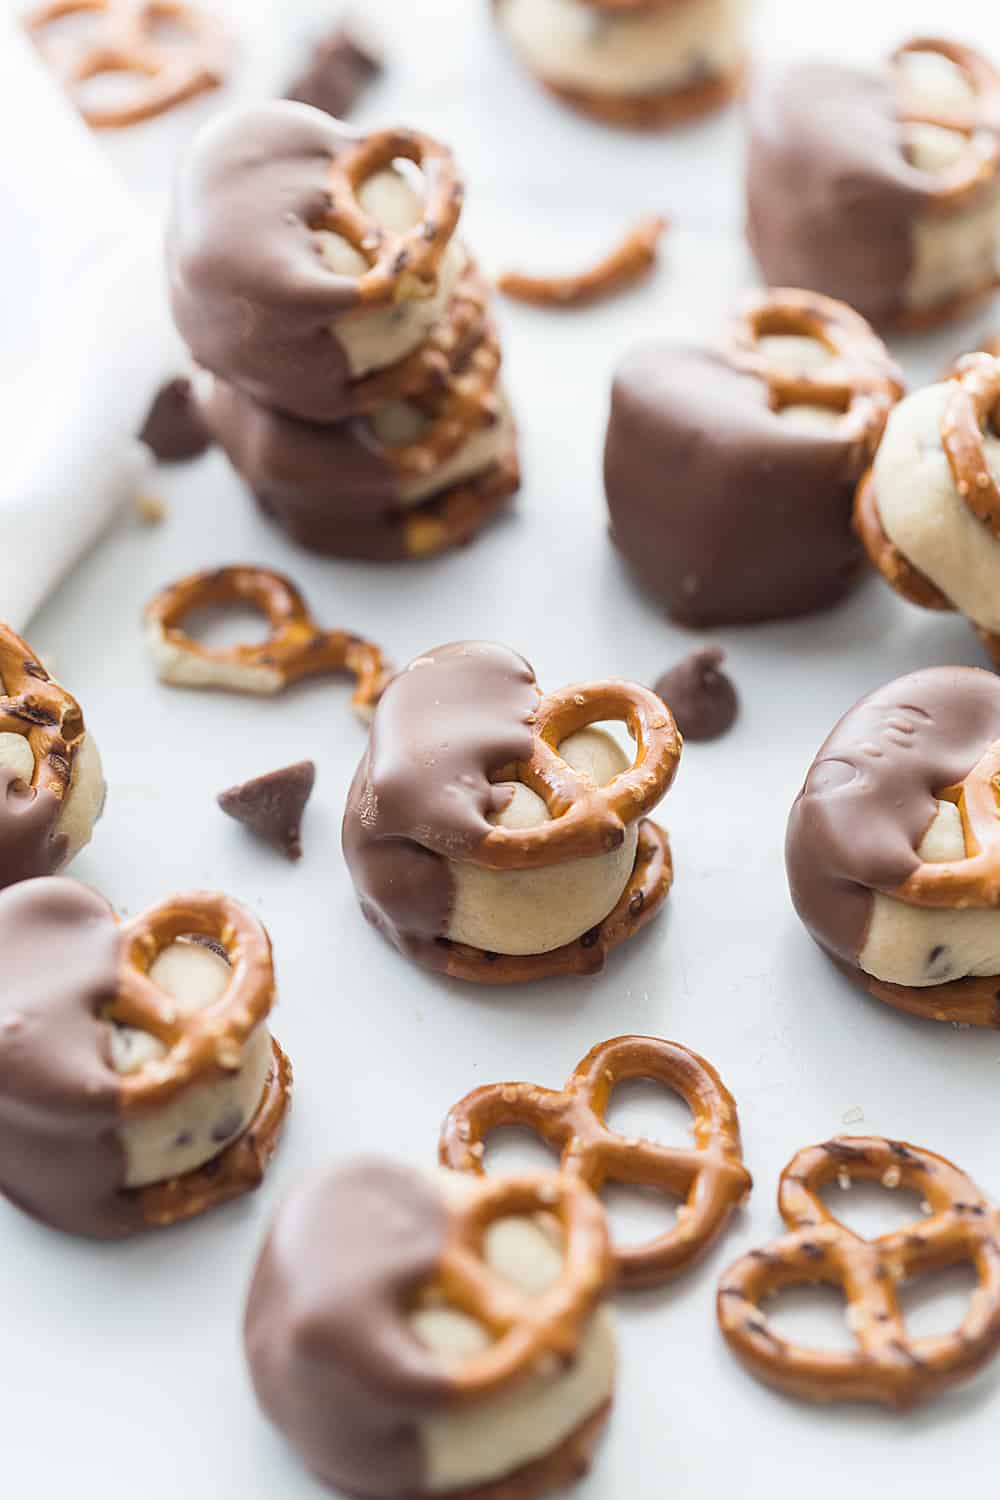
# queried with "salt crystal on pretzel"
point(888, 1364)
point(139, 1084)
point(456, 1336)
point(296, 648)
point(513, 842)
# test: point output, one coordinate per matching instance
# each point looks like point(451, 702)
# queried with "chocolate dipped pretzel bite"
point(709, 1176)
point(302, 258)
point(730, 473)
point(139, 1084)
point(416, 1334)
point(889, 1365)
point(645, 64)
point(928, 511)
point(880, 186)
point(51, 783)
point(496, 834)
point(123, 40)
point(893, 845)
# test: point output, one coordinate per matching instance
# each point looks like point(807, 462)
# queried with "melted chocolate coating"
point(334, 1361)
point(422, 794)
point(337, 73)
point(251, 292)
point(870, 795)
point(726, 514)
point(174, 430)
point(61, 1157)
point(831, 198)
point(271, 806)
point(336, 472)
point(29, 844)
point(700, 696)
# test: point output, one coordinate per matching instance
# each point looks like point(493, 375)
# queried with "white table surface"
point(123, 1374)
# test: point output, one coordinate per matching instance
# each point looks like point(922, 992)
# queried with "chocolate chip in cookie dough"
point(339, 69)
point(271, 806)
point(700, 696)
point(173, 430)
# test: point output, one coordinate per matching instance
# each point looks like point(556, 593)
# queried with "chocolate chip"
point(173, 429)
point(701, 698)
point(271, 806)
point(337, 72)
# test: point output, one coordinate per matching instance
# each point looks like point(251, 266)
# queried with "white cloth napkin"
point(85, 338)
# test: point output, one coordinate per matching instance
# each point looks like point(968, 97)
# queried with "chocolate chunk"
point(338, 71)
point(701, 698)
point(271, 806)
point(173, 428)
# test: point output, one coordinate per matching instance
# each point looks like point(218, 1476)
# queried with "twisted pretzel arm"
point(587, 820)
point(203, 1044)
point(527, 1329)
point(628, 263)
point(975, 880)
point(42, 712)
point(973, 404)
point(400, 266)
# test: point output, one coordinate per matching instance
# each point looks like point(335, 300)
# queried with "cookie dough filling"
point(371, 1370)
point(649, 49)
point(402, 423)
point(926, 518)
point(205, 1119)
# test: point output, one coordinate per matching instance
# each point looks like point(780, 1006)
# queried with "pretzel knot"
point(296, 648)
point(465, 404)
point(528, 1330)
point(400, 266)
point(710, 1177)
point(201, 1045)
point(40, 711)
point(978, 165)
point(584, 819)
point(125, 41)
point(861, 381)
point(888, 1365)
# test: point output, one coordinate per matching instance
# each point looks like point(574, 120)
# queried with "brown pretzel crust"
point(862, 380)
point(236, 1171)
point(527, 1328)
point(647, 889)
point(584, 819)
point(400, 266)
point(629, 262)
point(42, 712)
point(296, 648)
point(980, 165)
point(962, 1002)
point(445, 521)
point(656, 111)
point(710, 1177)
point(917, 320)
point(557, 1470)
point(466, 403)
point(888, 1366)
point(126, 44)
point(202, 1045)
point(973, 404)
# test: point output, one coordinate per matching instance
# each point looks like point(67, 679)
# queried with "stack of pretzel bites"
point(349, 365)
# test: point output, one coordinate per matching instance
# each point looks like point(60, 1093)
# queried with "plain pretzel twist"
point(710, 1177)
point(585, 819)
point(201, 1045)
point(860, 381)
point(888, 1365)
point(41, 712)
point(400, 266)
point(296, 648)
point(527, 1330)
point(464, 404)
point(126, 43)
